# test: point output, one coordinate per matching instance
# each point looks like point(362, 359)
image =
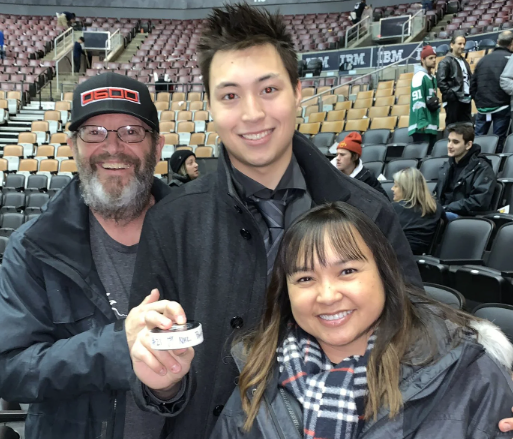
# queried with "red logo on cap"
point(109, 93)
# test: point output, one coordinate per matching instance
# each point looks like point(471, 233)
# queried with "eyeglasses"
point(128, 134)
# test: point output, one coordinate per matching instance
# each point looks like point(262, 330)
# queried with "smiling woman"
point(345, 347)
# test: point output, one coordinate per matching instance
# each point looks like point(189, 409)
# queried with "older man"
point(66, 275)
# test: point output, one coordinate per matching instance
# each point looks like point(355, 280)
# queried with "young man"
point(348, 162)
point(453, 77)
point(467, 181)
point(424, 120)
point(66, 275)
point(210, 246)
point(492, 102)
point(78, 51)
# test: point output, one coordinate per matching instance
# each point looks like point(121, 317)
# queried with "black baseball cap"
point(113, 93)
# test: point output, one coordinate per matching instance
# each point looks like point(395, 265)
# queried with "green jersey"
point(423, 87)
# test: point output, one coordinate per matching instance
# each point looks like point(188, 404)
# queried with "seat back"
point(375, 168)
point(446, 295)
point(397, 165)
point(415, 151)
point(375, 137)
point(12, 220)
point(37, 181)
point(488, 144)
point(500, 254)
point(68, 166)
point(400, 135)
point(508, 145)
point(373, 153)
point(37, 200)
point(388, 123)
point(466, 238)
point(440, 148)
point(430, 167)
point(59, 181)
point(204, 151)
point(60, 138)
point(499, 314)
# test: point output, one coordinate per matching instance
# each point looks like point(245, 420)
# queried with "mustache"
point(121, 157)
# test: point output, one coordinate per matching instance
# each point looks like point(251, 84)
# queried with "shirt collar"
point(357, 170)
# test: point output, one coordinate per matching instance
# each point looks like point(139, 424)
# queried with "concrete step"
point(25, 110)
point(17, 129)
point(28, 117)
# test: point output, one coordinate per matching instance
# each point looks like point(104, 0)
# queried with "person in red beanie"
point(424, 104)
point(348, 161)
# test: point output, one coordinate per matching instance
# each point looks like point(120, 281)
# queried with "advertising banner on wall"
point(380, 56)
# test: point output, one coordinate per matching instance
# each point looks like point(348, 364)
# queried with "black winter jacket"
point(463, 395)
point(449, 78)
point(366, 176)
point(485, 86)
point(202, 248)
point(179, 180)
point(473, 190)
point(62, 349)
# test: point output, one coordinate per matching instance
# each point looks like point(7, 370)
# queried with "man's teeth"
point(115, 166)
point(256, 136)
point(338, 316)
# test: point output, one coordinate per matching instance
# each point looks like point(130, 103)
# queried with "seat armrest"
point(462, 261)
point(12, 416)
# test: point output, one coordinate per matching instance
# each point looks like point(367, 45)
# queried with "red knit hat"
point(427, 51)
point(352, 142)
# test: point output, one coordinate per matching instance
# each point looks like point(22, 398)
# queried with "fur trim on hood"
point(494, 341)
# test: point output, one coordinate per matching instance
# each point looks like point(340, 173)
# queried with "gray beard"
point(123, 206)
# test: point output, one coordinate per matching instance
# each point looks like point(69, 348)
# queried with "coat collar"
point(324, 182)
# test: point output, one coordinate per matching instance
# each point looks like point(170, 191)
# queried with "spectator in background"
point(349, 162)
point(507, 81)
point(466, 182)
point(184, 166)
point(2, 45)
point(357, 13)
point(418, 211)
point(78, 51)
point(424, 104)
point(492, 102)
point(453, 78)
point(65, 19)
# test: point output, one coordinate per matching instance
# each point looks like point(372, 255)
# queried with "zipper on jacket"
point(114, 417)
point(291, 412)
point(275, 421)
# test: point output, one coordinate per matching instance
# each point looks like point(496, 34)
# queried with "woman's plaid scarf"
point(332, 396)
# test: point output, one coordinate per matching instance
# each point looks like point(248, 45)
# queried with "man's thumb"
point(152, 297)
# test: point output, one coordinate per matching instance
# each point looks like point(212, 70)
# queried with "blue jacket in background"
point(1, 38)
point(77, 50)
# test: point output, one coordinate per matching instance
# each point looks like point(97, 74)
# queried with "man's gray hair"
point(505, 39)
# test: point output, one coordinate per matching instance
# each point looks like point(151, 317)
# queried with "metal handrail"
point(62, 39)
point(357, 26)
point(111, 45)
point(318, 95)
point(410, 20)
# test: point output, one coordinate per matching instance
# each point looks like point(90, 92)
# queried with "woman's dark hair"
point(402, 323)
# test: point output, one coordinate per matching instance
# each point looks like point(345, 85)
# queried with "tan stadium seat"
point(299, 112)
point(49, 165)
point(45, 151)
point(403, 91)
point(473, 107)
point(355, 89)
point(317, 117)
point(64, 151)
point(384, 93)
point(179, 106)
point(356, 113)
point(329, 100)
point(28, 165)
point(13, 151)
point(475, 54)
point(332, 116)
point(332, 127)
point(311, 110)
point(310, 102)
point(59, 138)
point(167, 116)
point(388, 101)
point(178, 97)
point(346, 105)
point(196, 106)
point(202, 115)
point(323, 89)
point(408, 76)
point(171, 139)
point(403, 83)
point(184, 115)
point(404, 99)
point(162, 168)
point(212, 139)
point(4, 165)
point(299, 120)
point(68, 166)
point(63, 106)
point(194, 96)
point(357, 125)
point(378, 112)
point(365, 95)
point(204, 151)
point(404, 122)
point(342, 91)
point(167, 127)
point(53, 115)
point(310, 128)
point(363, 103)
point(307, 92)
point(27, 138)
point(2, 94)
point(14, 95)
point(162, 106)
point(152, 97)
point(68, 96)
point(163, 96)
point(188, 148)
point(210, 128)
point(197, 139)
point(384, 123)
point(39, 125)
point(441, 124)
point(66, 128)
point(400, 110)
point(185, 127)
point(385, 85)
point(4, 104)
